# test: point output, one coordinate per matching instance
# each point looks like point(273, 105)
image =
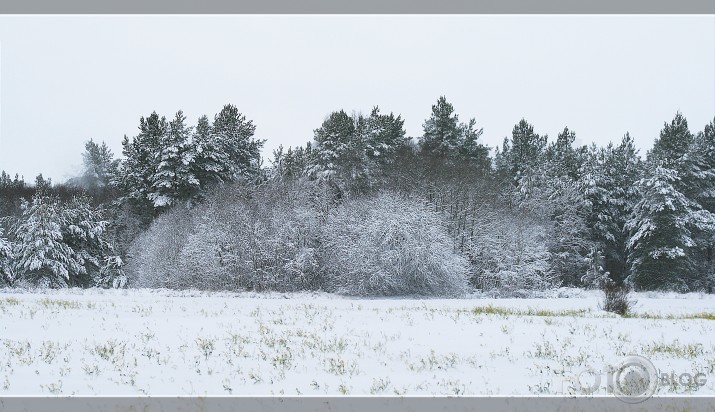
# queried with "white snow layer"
point(158, 342)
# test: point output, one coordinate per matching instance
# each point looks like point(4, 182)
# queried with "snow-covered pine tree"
point(702, 153)
point(385, 134)
point(99, 165)
point(701, 189)
point(42, 256)
point(174, 180)
point(233, 136)
point(136, 173)
point(441, 130)
point(339, 152)
point(670, 149)
point(84, 230)
point(210, 163)
point(563, 159)
point(469, 147)
point(522, 153)
point(609, 180)
point(551, 188)
point(661, 234)
point(677, 149)
point(445, 137)
point(42, 185)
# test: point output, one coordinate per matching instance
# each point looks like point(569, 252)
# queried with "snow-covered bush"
point(390, 246)
point(265, 239)
point(509, 253)
point(153, 258)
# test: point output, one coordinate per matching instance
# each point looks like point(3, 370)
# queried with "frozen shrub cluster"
point(616, 297)
point(236, 240)
point(281, 238)
point(509, 253)
point(388, 245)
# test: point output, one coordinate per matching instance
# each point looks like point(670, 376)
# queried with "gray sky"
point(66, 79)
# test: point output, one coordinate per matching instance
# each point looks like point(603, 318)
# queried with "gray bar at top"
point(357, 6)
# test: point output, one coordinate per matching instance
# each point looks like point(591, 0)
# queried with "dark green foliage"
point(522, 153)
point(445, 138)
point(610, 177)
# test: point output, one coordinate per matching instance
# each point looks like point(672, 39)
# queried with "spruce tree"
point(84, 231)
point(42, 256)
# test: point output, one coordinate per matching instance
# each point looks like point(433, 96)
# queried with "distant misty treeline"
point(362, 209)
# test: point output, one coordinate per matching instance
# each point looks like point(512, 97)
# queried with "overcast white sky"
point(66, 79)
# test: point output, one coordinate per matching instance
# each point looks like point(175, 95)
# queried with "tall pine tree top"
point(441, 130)
point(233, 134)
point(670, 148)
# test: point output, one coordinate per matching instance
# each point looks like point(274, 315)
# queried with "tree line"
point(363, 209)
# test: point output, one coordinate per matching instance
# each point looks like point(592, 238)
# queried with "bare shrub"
point(616, 297)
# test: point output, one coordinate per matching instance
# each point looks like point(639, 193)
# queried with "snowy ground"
point(120, 342)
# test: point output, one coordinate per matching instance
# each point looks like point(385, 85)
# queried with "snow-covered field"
point(157, 342)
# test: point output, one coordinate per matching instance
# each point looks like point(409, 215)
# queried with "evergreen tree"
point(210, 163)
point(43, 257)
point(84, 230)
point(42, 185)
point(340, 149)
point(552, 186)
point(701, 189)
point(445, 137)
point(174, 180)
point(142, 154)
point(671, 147)
point(661, 234)
point(385, 135)
point(441, 130)
point(703, 154)
point(522, 153)
point(609, 178)
point(99, 165)
point(469, 147)
point(6, 260)
point(563, 159)
point(233, 136)
point(5, 180)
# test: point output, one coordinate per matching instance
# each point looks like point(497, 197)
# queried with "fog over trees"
point(362, 209)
